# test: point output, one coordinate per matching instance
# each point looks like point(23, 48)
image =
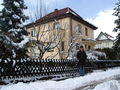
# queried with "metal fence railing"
point(15, 70)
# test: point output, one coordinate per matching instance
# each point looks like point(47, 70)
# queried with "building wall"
point(68, 29)
point(83, 35)
point(104, 44)
point(102, 37)
point(48, 32)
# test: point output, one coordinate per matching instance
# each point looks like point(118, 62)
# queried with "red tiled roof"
point(62, 12)
point(59, 13)
point(109, 35)
point(106, 35)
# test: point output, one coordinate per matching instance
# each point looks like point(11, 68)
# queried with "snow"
point(112, 38)
point(16, 4)
point(16, 16)
point(110, 85)
point(91, 55)
point(14, 54)
point(8, 11)
point(23, 42)
point(10, 22)
point(20, 25)
point(94, 55)
point(1, 14)
point(104, 80)
point(19, 45)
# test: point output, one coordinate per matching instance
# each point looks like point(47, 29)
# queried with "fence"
point(36, 69)
point(31, 70)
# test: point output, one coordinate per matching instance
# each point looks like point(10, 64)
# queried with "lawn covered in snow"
point(101, 80)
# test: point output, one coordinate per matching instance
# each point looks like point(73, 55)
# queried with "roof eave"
point(42, 21)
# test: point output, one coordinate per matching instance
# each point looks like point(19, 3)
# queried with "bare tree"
point(47, 43)
point(74, 39)
point(46, 37)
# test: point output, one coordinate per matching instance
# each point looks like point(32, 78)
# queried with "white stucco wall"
point(102, 37)
point(104, 44)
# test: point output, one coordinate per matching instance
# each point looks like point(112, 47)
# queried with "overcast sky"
point(98, 12)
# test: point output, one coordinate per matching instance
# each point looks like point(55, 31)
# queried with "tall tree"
point(117, 28)
point(13, 34)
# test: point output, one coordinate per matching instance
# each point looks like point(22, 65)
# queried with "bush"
point(95, 55)
point(110, 53)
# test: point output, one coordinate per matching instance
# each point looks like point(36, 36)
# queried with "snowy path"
point(93, 81)
point(92, 84)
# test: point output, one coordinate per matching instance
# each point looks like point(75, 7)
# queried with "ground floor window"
point(89, 47)
point(77, 46)
point(33, 54)
point(62, 46)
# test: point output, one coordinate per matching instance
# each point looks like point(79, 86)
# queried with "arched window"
point(56, 25)
point(78, 28)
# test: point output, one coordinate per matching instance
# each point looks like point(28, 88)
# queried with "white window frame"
point(33, 54)
point(57, 26)
point(79, 28)
point(33, 33)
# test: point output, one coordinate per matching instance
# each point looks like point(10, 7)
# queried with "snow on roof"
point(106, 35)
point(109, 36)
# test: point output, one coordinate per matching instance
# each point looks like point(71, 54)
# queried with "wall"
point(104, 44)
point(47, 32)
point(83, 35)
point(68, 29)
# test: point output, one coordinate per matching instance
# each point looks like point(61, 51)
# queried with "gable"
point(102, 37)
point(60, 14)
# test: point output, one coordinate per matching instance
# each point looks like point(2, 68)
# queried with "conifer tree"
point(117, 28)
point(13, 36)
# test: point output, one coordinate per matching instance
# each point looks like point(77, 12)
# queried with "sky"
point(97, 12)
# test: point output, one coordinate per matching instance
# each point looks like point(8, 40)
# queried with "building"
point(74, 29)
point(104, 40)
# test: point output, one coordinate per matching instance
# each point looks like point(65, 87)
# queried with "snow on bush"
point(95, 55)
point(91, 55)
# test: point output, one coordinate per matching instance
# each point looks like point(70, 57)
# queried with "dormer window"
point(78, 28)
point(56, 25)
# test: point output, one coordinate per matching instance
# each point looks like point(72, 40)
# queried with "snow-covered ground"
point(99, 80)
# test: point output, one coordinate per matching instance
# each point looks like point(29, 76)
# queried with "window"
point(89, 47)
point(78, 28)
point(52, 44)
point(86, 31)
point(33, 33)
point(77, 46)
point(85, 46)
point(62, 46)
point(56, 26)
point(33, 54)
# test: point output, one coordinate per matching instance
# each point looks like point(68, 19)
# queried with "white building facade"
point(104, 40)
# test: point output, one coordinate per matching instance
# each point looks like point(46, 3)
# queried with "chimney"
point(56, 9)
